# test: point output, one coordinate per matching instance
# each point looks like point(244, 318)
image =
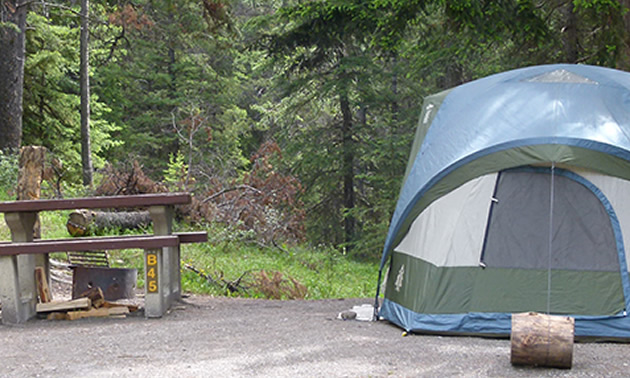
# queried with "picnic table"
point(18, 289)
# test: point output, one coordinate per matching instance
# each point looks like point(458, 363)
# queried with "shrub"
point(8, 175)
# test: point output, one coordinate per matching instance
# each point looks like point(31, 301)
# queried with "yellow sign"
point(151, 265)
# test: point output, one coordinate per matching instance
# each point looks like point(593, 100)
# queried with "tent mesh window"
point(518, 232)
point(582, 257)
point(561, 76)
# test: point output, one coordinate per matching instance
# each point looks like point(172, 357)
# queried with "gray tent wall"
point(573, 117)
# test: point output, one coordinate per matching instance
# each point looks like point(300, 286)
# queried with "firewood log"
point(542, 340)
point(85, 222)
point(96, 296)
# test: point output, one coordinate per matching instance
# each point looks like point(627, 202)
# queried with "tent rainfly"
point(516, 198)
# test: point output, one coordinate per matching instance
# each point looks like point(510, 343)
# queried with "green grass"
point(325, 272)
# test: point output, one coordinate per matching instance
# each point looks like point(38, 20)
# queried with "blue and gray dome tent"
point(516, 198)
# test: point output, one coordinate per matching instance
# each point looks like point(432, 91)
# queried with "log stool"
point(542, 340)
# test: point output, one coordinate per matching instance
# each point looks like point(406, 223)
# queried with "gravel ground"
point(231, 337)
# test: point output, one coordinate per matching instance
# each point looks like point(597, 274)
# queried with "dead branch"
point(240, 187)
point(232, 286)
point(208, 277)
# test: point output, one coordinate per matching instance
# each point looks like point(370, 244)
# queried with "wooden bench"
point(18, 292)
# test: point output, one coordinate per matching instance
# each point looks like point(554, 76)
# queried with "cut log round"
point(85, 222)
point(542, 340)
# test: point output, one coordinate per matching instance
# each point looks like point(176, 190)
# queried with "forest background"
point(290, 121)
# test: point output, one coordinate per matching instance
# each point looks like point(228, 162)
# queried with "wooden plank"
point(192, 237)
point(185, 237)
point(74, 304)
point(130, 307)
point(90, 244)
point(109, 202)
point(42, 285)
point(98, 312)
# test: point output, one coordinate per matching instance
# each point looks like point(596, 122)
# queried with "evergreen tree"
point(12, 29)
point(52, 95)
point(172, 86)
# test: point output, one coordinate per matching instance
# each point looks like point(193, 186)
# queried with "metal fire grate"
point(89, 259)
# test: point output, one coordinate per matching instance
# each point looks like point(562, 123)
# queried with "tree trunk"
point(454, 75)
point(394, 105)
point(348, 168)
point(542, 340)
point(12, 28)
point(86, 149)
point(623, 61)
point(570, 34)
point(172, 94)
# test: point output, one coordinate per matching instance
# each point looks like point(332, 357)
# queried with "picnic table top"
point(126, 201)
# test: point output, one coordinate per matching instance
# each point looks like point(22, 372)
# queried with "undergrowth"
point(227, 265)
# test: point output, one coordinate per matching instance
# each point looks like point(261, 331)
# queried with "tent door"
point(583, 243)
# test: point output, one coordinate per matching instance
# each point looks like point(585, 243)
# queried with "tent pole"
point(378, 292)
point(551, 200)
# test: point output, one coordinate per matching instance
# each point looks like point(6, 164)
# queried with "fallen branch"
point(240, 187)
point(235, 286)
point(207, 277)
point(231, 286)
point(280, 247)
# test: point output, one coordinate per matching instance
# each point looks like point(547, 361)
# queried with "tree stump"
point(29, 185)
point(31, 171)
point(542, 340)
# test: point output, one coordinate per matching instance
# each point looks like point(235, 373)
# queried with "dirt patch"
point(232, 337)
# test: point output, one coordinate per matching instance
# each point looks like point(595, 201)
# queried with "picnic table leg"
point(10, 291)
point(18, 291)
point(154, 298)
point(169, 259)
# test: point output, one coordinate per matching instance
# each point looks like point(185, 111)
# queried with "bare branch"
point(240, 187)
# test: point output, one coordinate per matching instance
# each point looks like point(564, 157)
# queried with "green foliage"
point(176, 171)
point(324, 272)
point(8, 175)
point(600, 31)
point(51, 95)
point(173, 84)
point(9, 25)
point(192, 89)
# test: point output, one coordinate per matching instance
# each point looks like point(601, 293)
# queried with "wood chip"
point(75, 304)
